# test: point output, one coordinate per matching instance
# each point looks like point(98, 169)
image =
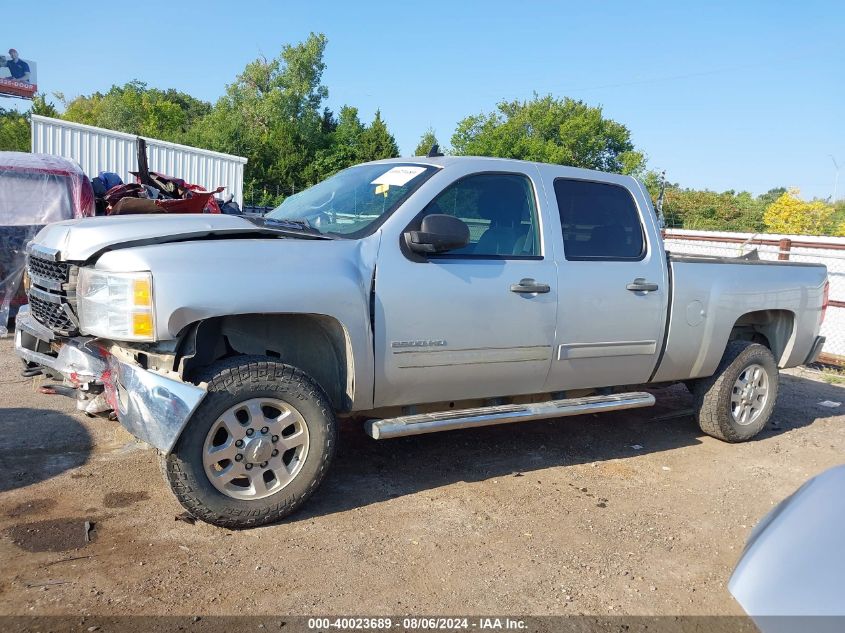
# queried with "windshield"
point(355, 201)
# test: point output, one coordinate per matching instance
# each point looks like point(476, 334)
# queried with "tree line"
point(275, 114)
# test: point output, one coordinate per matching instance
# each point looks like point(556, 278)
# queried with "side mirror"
point(438, 234)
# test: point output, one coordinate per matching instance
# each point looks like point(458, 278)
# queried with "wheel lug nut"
point(275, 452)
point(275, 438)
point(264, 430)
point(249, 466)
point(263, 464)
point(239, 443)
point(238, 457)
point(249, 432)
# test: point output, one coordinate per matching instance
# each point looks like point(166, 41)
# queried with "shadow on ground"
point(366, 471)
point(36, 444)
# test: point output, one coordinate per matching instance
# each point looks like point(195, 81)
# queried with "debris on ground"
point(68, 560)
point(49, 583)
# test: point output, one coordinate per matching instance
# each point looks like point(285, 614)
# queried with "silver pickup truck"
point(412, 295)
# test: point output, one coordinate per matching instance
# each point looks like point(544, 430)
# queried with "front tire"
point(735, 403)
point(256, 448)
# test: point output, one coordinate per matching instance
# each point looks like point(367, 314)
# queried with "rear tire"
point(256, 448)
point(735, 403)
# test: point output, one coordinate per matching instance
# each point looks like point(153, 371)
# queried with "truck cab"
point(533, 302)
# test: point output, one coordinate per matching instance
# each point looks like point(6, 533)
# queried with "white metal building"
point(97, 149)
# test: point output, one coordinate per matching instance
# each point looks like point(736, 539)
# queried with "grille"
point(56, 271)
point(52, 315)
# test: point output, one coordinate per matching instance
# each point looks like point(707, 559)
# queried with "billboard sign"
point(18, 76)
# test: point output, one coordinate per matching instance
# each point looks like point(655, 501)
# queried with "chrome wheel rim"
point(750, 394)
point(255, 448)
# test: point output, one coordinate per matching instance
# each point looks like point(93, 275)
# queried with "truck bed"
point(711, 295)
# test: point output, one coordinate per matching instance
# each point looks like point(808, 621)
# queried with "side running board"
point(486, 416)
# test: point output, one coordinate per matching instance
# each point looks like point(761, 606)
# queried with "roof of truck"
point(484, 162)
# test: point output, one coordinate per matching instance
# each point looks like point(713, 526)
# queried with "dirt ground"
point(623, 513)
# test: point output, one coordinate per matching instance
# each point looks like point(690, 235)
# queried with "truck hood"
point(79, 240)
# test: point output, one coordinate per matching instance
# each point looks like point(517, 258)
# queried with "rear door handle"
point(529, 286)
point(641, 285)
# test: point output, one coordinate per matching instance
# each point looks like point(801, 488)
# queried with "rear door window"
point(600, 221)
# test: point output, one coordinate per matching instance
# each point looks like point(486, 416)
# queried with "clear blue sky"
point(723, 95)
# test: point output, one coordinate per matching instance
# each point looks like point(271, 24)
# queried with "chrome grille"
point(55, 271)
point(52, 315)
point(52, 293)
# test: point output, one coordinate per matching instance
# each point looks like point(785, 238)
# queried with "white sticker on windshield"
point(398, 176)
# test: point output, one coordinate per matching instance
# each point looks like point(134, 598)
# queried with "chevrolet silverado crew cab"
point(413, 295)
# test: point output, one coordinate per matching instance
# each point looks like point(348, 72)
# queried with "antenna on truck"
point(434, 151)
point(660, 219)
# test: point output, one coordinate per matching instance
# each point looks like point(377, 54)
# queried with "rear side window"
point(599, 221)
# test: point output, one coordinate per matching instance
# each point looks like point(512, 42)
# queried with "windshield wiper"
point(295, 226)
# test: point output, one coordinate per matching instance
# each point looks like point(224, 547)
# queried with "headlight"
point(116, 305)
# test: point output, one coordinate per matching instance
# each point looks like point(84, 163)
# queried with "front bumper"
point(151, 406)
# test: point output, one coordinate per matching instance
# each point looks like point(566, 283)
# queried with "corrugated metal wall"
point(97, 149)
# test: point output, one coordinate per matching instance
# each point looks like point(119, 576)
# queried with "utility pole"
point(835, 179)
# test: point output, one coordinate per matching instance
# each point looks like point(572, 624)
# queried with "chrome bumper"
point(152, 407)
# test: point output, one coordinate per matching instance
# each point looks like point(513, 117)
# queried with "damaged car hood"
point(79, 240)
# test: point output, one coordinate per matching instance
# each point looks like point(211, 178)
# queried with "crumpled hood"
point(78, 240)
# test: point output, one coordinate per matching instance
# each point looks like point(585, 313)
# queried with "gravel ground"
point(623, 513)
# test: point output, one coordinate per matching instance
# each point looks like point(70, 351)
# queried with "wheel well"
point(317, 344)
point(772, 328)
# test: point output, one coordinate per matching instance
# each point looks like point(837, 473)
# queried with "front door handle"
point(529, 286)
point(641, 285)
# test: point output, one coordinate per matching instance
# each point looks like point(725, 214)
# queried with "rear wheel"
point(735, 403)
point(257, 446)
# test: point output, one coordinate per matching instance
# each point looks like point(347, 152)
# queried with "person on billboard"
point(18, 67)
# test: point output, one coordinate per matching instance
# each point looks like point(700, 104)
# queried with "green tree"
point(343, 146)
point(427, 140)
point(771, 195)
point(377, 142)
point(561, 131)
point(137, 109)
point(42, 107)
point(791, 215)
point(712, 211)
point(839, 216)
point(14, 131)
point(273, 115)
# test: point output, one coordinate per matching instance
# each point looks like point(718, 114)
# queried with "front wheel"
point(256, 448)
point(735, 403)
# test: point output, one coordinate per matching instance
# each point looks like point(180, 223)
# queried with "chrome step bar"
point(501, 414)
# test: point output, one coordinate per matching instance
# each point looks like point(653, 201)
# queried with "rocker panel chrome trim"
point(487, 416)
